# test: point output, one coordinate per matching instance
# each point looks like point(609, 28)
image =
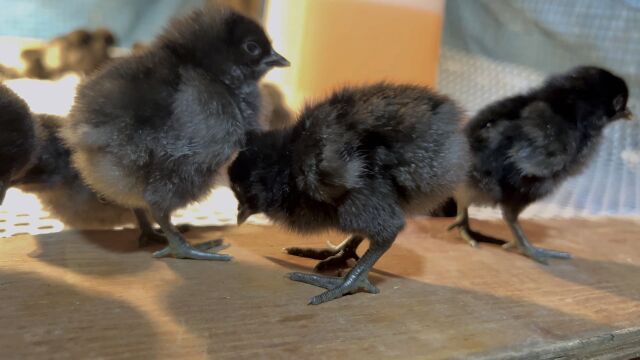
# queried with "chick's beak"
point(243, 214)
point(275, 60)
point(627, 114)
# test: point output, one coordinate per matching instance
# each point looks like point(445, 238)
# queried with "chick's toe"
point(334, 257)
point(336, 286)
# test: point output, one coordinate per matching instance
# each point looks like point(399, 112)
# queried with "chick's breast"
point(141, 125)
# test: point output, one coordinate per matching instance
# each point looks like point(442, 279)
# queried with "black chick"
point(80, 51)
point(138, 48)
point(151, 131)
point(523, 147)
point(358, 162)
point(17, 138)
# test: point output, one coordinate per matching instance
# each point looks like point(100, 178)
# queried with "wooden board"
point(96, 295)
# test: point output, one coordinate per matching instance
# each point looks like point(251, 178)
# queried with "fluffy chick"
point(80, 51)
point(357, 162)
point(17, 138)
point(525, 146)
point(151, 131)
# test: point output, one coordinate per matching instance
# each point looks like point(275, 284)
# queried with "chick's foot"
point(204, 251)
point(522, 243)
point(540, 255)
point(334, 257)
point(336, 286)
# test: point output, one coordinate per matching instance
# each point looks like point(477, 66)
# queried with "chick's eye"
point(252, 48)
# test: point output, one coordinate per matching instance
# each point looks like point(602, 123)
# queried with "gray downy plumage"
point(151, 131)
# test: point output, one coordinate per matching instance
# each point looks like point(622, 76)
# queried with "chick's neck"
point(236, 77)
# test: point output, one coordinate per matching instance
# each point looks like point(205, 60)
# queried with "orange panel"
point(335, 42)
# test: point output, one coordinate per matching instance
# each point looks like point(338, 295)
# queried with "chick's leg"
point(523, 245)
point(178, 246)
point(357, 279)
point(462, 224)
point(335, 257)
point(147, 234)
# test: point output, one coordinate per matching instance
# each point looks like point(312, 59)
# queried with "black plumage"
point(358, 162)
point(524, 146)
point(17, 138)
point(151, 131)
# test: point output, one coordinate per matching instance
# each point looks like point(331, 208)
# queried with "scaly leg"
point(178, 246)
point(334, 257)
point(522, 243)
point(147, 234)
point(356, 279)
point(462, 224)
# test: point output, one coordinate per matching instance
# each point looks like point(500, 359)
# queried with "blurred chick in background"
point(358, 162)
point(274, 112)
point(151, 132)
point(524, 146)
point(249, 8)
point(79, 52)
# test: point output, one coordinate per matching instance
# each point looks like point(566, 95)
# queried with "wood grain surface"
point(94, 294)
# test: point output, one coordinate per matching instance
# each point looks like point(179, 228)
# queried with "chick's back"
point(116, 123)
point(522, 148)
point(405, 137)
